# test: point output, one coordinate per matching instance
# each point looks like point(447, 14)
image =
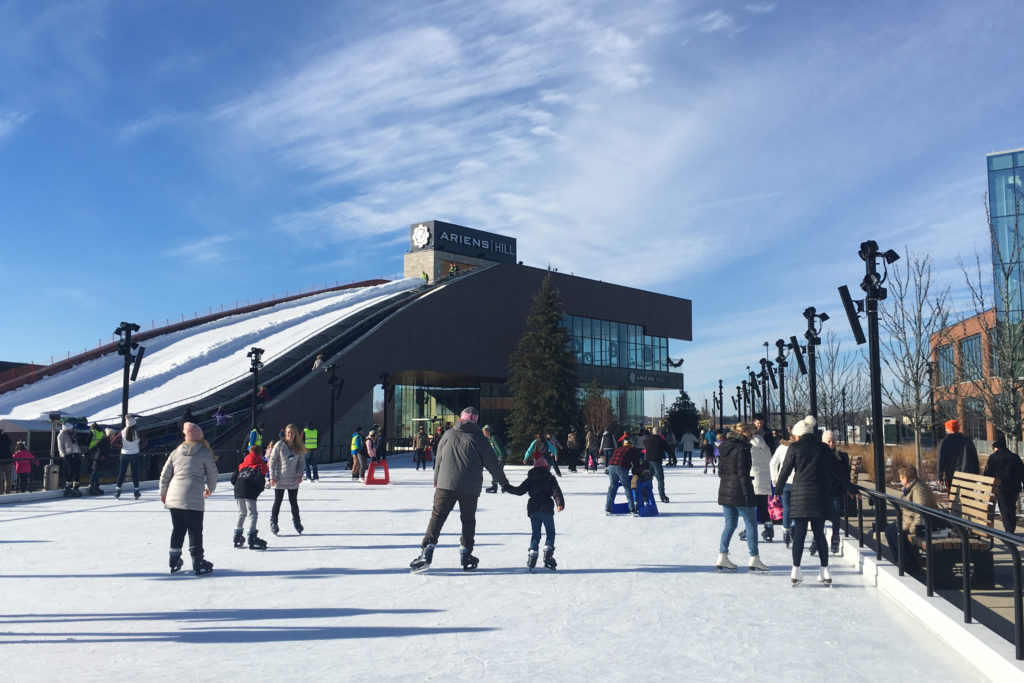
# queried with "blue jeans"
point(732, 514)
point(658, 470)
point(134, 461)
point(548, 520)
point(311, 463)
point(618, 473)
point(787, 495)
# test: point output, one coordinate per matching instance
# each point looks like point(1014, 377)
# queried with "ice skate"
point(724, 563)
point(274, 528)
point(117, 492)
point(200, 565)
point(786, 537)
point(298, 525)
point(756, 565)
point(469, 563)
point(769, 533)
point(796, 577)
point(835, 544)
point(825, 576)
point(549, 558)
point(175, 561)
point(239, 539)
point(95, 490)
point(138, 494)
point(664, 498)
point(531, 559)
point(493, 488)
point(422, 563)
point(743, 535)
point(255, 542)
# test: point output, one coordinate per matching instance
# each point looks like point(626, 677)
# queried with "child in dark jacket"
point(542, 488)
point(248, 483)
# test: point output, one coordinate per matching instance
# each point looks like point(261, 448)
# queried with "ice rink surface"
point(87, 595)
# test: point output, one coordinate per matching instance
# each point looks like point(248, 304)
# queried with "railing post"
point(898, 551)
point(1018, 602)
point(929, 561)
point(860, 519)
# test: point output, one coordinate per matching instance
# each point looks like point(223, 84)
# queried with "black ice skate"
point(493, 488)
point(138, 494)
point(239, 540)
point(769, 533)
point(117, 492)
point(199, 565)
point(273, 527)
point(531, 559)
point(298, 525)
point(256, 543)
point(835, 544)
point(422, 563)
point(95, 490)
point(469, 562)
point(549, 558)
point(175, 560)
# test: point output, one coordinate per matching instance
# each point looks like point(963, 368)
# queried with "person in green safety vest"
point(354, 448)
point(309, 437)
point(499, 450)
point(99, 449)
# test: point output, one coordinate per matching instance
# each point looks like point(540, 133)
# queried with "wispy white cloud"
point(204, 252)
point(147, 124)
point(715, 21)
point(762, 8)
point(10, 121)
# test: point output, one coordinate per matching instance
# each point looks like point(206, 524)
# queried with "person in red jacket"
point(23, 461)
point(247, 489)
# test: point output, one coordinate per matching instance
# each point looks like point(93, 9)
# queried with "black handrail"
point(963, 528)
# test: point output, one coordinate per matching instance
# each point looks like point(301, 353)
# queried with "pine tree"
point(542, 372)
point(682, 416)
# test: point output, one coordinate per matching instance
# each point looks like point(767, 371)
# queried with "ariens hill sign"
point(456, 239)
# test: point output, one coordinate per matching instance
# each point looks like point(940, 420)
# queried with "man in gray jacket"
point(462, 454)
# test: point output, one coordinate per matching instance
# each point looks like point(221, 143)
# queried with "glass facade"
point(609, 344)
point(415, 406)
point(1006, 210)
point(974, 419)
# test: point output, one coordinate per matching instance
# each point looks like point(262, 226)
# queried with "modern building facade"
point(1006, 211)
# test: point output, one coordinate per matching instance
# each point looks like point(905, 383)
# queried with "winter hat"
point(540, 461)
point(827, 436)
point(130, 422)
point(952, 426)
point(193, 432)
point(469, 414)
point(805, 426)
point(110, 432)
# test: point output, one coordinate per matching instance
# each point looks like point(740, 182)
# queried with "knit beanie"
point(827, 436)
point(193, 432)
point(130, 422)
point(805, 426)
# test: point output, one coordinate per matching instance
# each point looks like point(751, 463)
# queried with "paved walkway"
point(86, 593)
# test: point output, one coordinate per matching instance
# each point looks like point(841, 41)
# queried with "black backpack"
point(251, 481)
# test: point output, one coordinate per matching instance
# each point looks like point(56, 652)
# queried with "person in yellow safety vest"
point(426, 278)
point(354, 448)
point(256, 436)
point(309, 438)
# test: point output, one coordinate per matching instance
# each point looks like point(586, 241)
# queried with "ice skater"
point(287, 462)
point(187, 480)
point(545, 498)
point(248, 483)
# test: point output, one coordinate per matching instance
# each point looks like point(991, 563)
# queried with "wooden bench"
point(855, 467)
point(972, 497)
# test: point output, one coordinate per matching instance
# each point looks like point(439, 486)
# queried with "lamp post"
point(745, 401)
point(721, 406)
point(780, 363)
point(846, 440)
point(755, 392)
point(254, 367)
point(872, 286)
point(124, 348)
point(811, 335)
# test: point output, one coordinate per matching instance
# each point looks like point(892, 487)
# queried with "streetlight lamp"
point(721, 406)
point(811, 335)
point(254, 367)
point(124, 348)
point(780, 363)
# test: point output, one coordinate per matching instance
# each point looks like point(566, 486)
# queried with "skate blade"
point(419, 570)
point(725, 569)
point(794, 584)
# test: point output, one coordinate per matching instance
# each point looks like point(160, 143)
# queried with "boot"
point(835, 544)
point(239, 540)
point(255, 542)
point(138, 494)
point(549, 557)
point(756, 565)
point(199, 565)
point(469, 562)
point(422, 563)
point(531, 559)
point(769, 533)
point(76, 491)
point(796, 577)
point(724, 563)
point(117, 492)
point(68, 491)
point(825, 576)
point(664, 498)
point(175, 560)
point(298, 525)
point(273, 527)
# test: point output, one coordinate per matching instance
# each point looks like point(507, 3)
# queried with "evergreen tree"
point(682, 416)
point(542, 372)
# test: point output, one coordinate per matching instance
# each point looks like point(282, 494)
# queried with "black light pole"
point(780, 363)
point(254, 368)
point(124, 348)
point(872, 286)
point(754, 392)
point(931, 402)
point(721, 405)
point(739, 403)
point(811, 335)
point(846, 440)
point(334, 384)
point(746, 400)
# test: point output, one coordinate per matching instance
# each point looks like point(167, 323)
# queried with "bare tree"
point(838, 371)
point(596, 408)
point(994, 379)
point(915, 311)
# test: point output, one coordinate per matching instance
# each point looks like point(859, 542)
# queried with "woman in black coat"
point(812, 466)
point(736, 496)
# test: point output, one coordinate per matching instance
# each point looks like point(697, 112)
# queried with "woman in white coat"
point(287, 463)
point(188, 478)
point(760, 472)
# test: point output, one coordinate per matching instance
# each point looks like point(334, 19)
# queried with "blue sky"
point(161, 158)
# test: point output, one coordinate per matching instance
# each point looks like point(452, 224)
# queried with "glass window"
point(970, 357)
point(997, 162)
point(944, 356)
point(1004, 191)
point(974, 419)
point(1018, 159)
point(588, 352)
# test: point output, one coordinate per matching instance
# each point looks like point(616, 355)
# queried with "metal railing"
point(933, 521)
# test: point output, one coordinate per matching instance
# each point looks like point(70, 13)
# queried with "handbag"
point(775, 508)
